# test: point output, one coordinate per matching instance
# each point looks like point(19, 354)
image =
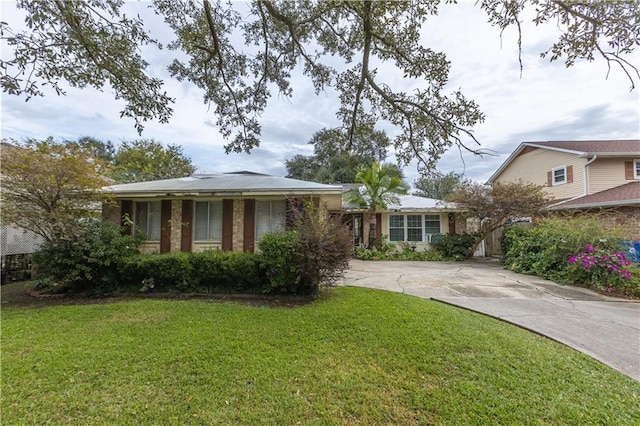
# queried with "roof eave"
point(617, 203)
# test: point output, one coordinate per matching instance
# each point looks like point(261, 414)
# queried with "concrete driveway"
point(605, 328)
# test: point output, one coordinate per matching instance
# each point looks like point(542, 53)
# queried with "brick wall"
point(176, 225)
point(238, 225)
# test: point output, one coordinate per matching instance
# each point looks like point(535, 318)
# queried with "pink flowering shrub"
point(602, 269)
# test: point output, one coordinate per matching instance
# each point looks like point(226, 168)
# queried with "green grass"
point(356, 356)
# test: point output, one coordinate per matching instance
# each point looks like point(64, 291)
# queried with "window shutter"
point(569, 174)
point(227, 225)
point(628, 170)
point(549, 179)
point(249, 236)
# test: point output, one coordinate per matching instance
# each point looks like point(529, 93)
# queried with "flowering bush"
point(605, 270)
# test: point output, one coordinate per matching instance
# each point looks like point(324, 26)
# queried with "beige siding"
point(606, 173)
point(532, 167)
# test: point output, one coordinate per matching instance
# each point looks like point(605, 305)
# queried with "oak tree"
point(239, 54)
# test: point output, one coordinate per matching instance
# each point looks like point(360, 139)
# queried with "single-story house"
point(228, 211)
point(231, 211)
point(414, 220)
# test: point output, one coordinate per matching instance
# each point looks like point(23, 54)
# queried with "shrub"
point(565, 251)
point(314, 254)
point(455, 246)
point(280, 261)
point(87, 261)
point(206, 272)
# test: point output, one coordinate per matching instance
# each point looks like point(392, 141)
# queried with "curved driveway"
point(605, 328)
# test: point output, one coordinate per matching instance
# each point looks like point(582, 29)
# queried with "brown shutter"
point(452, 223)
point(569, 174)
point(227, 225)
point(249, 237)
point(126, 215)
point(378, 227)
point(628, 170)
point(549, 179)
point(165, 226)
point(186, 241)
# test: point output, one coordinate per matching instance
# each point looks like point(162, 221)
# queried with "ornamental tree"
point(48, 186)
point(496, 205)
point(239, 54)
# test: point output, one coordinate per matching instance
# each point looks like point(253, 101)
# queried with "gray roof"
point(239, 183)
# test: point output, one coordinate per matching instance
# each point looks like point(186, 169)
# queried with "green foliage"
point(455, 246)
point(237, 54)
point(389, 251)
point(312, 255)
point(381, 186)
point(335, 159)
point(207, 272)
point(545, 249)
point(88, 261)
point(145, 160)
point(280, 261)
point(438, 185)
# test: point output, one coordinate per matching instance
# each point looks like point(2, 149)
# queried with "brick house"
point(227, 211)
point(583, 177)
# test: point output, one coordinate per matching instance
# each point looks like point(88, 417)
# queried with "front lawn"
point(355, 356)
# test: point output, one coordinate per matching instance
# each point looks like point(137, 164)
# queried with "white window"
point(208, 221)
point(410, 227)
point(414, 227)
point(396, 227)
point(146, 220)
point(636, 169)
point(559, 175)
point(432, 224)
point(270, 217)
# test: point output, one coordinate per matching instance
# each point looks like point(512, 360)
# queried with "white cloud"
point(547, 102)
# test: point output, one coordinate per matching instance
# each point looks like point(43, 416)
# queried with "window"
point(636, 169)
point(396, 227)
point(208, 221)
point(146, 220)
point(432, 224)
point(409, 227)
point(414, 227)
point(559, 175)
point(270, 217)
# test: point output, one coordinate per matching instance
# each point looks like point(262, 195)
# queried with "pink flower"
point(589, 248)
point(572, 259)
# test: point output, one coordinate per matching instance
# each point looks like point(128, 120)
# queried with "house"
point(228, 211)
point(583, 177)
point(414, 220)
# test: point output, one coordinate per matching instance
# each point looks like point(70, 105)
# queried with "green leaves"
point(381, 186)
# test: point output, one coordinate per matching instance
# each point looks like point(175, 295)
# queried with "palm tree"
point(381, 185)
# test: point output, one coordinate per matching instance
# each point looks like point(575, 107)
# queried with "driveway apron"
point(605, 328)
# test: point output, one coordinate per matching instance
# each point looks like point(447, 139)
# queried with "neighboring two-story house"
point(583, 177)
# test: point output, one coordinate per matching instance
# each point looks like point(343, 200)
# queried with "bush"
point(206, 272)
point(87, 261)
point(455, 246)
point(557, 249)
point(314, 254)
point(280, 262)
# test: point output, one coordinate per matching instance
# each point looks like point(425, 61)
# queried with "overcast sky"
point(546, 102)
